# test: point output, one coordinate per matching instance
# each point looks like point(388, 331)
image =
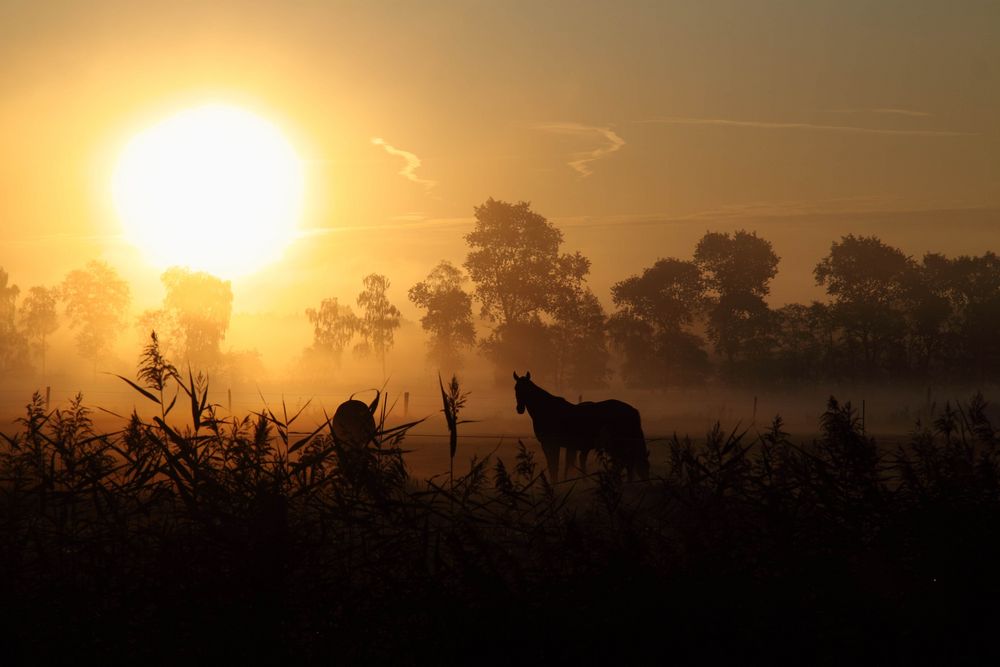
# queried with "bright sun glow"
point(214, 188)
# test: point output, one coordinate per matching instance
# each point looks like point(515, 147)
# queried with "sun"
point(214, 188)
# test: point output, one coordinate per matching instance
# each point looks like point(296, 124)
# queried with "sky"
point(634, 126)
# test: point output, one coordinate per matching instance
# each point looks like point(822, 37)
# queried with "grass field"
point(186, 534)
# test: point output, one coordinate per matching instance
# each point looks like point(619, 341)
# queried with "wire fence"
point(487, 408)
point(13, 401)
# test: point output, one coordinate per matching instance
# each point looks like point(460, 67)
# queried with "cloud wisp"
point(816, 127)
point(581, 161)
point(885, 111)
point(412, 163)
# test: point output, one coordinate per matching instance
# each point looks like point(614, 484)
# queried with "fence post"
point(48, 395)
point(229, 396)
point(406, 404)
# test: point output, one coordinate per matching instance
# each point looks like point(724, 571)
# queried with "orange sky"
point(635, 126)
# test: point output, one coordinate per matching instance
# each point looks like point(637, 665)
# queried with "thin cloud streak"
point(409, 170)
point(885, 111)
point(756, 212)
point(389, 224)
point(581, 161)
point(725, 122)
point(763, 214)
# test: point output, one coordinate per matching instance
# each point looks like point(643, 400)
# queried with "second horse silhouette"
point(612, 427)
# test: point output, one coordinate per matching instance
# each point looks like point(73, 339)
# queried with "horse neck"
point(540, 401)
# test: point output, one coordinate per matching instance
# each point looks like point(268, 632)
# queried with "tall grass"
point(192, 535)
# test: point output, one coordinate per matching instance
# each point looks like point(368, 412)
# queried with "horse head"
point(521, 385)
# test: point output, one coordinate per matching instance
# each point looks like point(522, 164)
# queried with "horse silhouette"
point(612, 427)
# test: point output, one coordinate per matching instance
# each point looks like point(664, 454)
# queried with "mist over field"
point(462, 332)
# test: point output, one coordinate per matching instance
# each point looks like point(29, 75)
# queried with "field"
point(189, 534)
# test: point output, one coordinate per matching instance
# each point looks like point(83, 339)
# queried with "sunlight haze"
point(213, 188)
point(634, 128)
point(554, 332)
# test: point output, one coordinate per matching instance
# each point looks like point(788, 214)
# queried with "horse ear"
point(527, 376)
point(515, 376)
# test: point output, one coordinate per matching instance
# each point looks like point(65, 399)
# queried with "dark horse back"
point(615, 427)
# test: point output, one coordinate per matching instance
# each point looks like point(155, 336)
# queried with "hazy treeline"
point(888, 316)
point(191, 323)
point(680, 321)
point(683, 321)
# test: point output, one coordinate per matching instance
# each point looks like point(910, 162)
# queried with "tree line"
point(95, 300)
point(676, 322)
point(683, 321)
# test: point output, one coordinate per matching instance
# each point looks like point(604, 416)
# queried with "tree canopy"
point(515, 264)
point(96, 301)
point(379, 318)
point(737, 269)
point(202, 306)
point(448, 316)
point(869, 282)
point(333, 327)
point(536, 295)
point(651, 324)
point(39, 318)
point(195, 317)
point(12, 343)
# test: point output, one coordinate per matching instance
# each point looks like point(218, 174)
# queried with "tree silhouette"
point(201, 305)
point(333, 327)
point(96, 300)
point(579, 337)
point(869, 282)
point(379, 317)
point(738, 269)
point(805, 349)
point(970, 335)
point(520, 279)
point(192, 324)
point(650, 327)
point(12, 343)
point(38, 317)
point(513, 261)
point(449, 313)
point(928, 314)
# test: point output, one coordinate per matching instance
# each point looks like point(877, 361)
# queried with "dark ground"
point(159, 546)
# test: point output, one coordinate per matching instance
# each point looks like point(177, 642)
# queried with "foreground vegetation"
point(199, 536)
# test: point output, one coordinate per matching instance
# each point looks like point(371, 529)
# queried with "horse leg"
point(570, 462)
point(552, 459)
point(638, 459)
point(638, 454)
point(583, 460)
point(630, 455)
